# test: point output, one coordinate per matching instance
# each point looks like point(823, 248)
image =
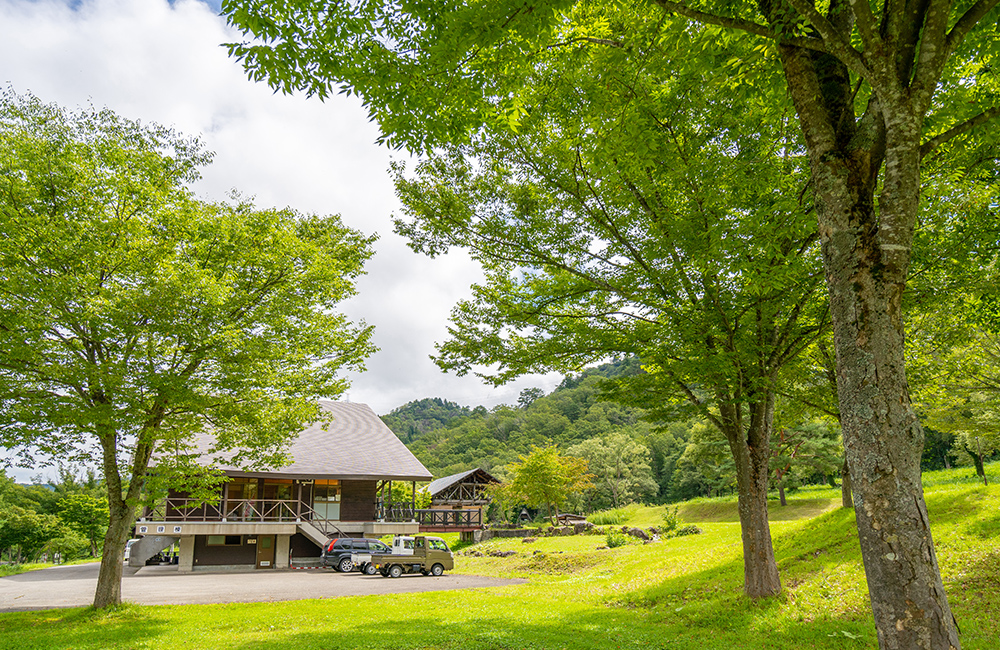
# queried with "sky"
point(160, 61)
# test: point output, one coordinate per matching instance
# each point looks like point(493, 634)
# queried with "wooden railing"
point(290, 510)
point(237, 510)
point(450, 518)
point(437, 518)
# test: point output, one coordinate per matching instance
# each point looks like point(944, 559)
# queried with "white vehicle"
point(128, 547)
point(402, 545)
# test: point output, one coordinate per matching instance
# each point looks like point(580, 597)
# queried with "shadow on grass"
point(126, 626)
point(728, 511)
point(589, 629)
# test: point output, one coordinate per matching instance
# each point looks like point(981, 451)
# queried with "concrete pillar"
point(281, 545)
point(185, 560)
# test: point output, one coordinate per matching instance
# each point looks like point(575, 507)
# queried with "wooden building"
point(458, 502)
point(283, 517)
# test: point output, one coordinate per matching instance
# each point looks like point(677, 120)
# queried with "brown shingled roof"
point(355, 444)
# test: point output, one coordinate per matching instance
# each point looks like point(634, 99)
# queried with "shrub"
point(616, 538)
point(670, 521)
point(690, 529)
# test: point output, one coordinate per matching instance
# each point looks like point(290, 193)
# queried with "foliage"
point(133, 316)
point(689, 529)
point(419, 417)
point(670, 520)
point(546, 478)
point(24, 533)
point(87, 516)
point(616, 538)
point(70, 545)
point(620, 465)
point(611, 517)
point(402, 492)
point(798, 453)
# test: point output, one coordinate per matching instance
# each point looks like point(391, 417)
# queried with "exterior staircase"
point(147, 547)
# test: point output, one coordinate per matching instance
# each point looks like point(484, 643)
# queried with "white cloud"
point(161, 62)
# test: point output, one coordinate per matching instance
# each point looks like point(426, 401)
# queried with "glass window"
point(326, 499)
point(224, 540)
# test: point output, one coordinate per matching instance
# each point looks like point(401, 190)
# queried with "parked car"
point(128, 548)
point(337, 553)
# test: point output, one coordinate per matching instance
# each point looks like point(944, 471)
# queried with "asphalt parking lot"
point(73, 586)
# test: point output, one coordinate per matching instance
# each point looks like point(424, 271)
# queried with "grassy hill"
point(679, 593)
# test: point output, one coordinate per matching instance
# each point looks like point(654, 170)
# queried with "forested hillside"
point(634, 456)
point(643, 460)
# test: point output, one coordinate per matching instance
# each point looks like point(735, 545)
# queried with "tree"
point(23, 532)
point(620, 465)
point(810, 448)
point(133, 316)
point(86, 515)
point(720, 298)
point(546, 478)
point(874, 92)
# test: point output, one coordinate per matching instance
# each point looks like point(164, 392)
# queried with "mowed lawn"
point(679, 593)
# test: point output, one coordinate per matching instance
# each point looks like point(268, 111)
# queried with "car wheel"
point(437, 570)
point(345, 566)
point(395, 571)
point(368, 569)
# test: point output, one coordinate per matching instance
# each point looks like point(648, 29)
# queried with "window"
point(438, 545)
point(326, 499)
point(224, 540)
point(242, 488)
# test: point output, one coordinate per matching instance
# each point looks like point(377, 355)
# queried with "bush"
point(690, 529)
point(616, 538)
point(670, 521)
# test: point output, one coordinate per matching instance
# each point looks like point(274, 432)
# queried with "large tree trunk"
point(866, 253)
point(751, 452)
point(866, 257)
point(109, 580)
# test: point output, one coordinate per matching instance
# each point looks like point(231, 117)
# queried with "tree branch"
point(742, 25)
point(959, 129)
point(968, 20)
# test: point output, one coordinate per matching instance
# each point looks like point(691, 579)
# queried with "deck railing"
point(289, 510)
point(450, 518)
point(238, 510)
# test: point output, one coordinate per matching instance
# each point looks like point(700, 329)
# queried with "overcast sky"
point(162, 62)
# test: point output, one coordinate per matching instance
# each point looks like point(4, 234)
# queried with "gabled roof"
point(442, 484)
point(354, 444)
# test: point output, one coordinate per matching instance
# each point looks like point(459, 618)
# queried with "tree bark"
point(109, 579)
point(866, 264)
point(781, 495)
point(751, 452)
point(846, 498)
point(866, 254)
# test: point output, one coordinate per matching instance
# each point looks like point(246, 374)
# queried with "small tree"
point(85, 515)
point(133, 316)
point(546, 478)
point(620, 465)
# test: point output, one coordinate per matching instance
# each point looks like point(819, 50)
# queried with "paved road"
point(73, 586)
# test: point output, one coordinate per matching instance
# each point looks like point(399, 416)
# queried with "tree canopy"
point(875, 90)
point(133, 315)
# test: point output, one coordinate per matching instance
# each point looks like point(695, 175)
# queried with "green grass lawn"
point(15, 569)
point(679, 593)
